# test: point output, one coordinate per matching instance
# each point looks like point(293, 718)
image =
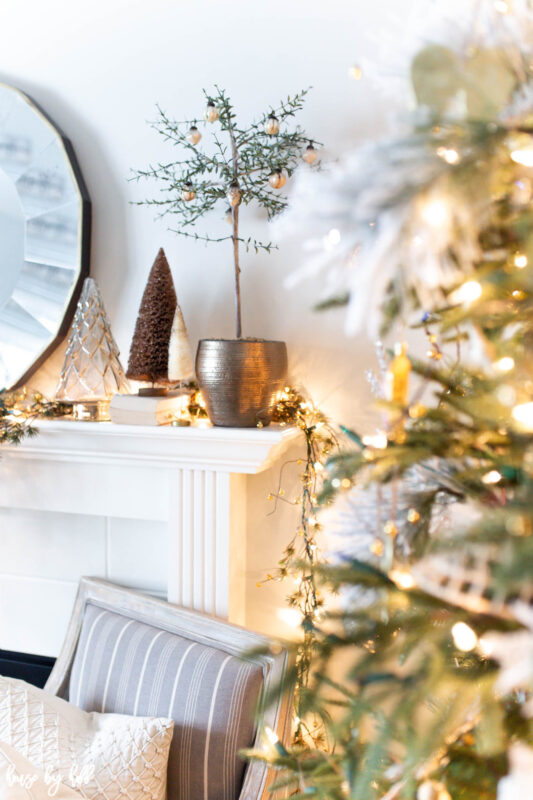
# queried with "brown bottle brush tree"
point(149, 347)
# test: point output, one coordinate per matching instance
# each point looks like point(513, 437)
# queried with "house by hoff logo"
point(77, 776)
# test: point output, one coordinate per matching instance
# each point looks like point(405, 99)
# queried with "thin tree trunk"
point(235, 211)
point(235, 215)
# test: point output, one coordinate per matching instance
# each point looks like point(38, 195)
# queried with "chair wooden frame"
point(199, 628)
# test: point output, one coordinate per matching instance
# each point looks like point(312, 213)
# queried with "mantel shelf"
point(234, 450)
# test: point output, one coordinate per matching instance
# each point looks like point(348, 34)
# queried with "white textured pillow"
point(20, 780)
point(102, 756)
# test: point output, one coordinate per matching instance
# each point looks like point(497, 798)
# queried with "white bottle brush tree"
point(245, 165)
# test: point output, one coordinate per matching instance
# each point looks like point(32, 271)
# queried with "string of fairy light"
point(20, 409)
point(301, 566)
point(302, 554)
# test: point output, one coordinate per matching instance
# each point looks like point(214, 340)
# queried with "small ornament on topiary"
point(148, 360)
point(310, 155)
point(194, 135)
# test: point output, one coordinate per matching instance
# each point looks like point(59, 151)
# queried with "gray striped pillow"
point(126, 667)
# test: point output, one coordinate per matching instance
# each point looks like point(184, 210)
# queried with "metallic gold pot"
point(240, 379)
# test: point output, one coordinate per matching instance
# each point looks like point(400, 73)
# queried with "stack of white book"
point(134, 409)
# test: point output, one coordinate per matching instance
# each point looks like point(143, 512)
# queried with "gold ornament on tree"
point(397, 391)
point(233, 195)
point(397, 376)
point(277, 179)
point(272, 125)
point(194, 135)
point(211, 112)
point(187, 193)
point(92, 371)
point(310, 155)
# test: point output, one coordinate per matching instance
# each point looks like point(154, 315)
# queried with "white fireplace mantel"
point(194, 480)
point(240, 450)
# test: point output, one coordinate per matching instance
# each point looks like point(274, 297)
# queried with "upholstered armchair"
point(128, 653)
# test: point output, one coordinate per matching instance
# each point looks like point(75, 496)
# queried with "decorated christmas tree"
point(149, 352)
point(423, 665)
point(92, 371)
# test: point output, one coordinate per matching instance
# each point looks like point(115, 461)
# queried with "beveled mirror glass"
point(44, 236)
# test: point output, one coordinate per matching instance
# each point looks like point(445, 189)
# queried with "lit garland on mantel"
point(19, 410)
point(302, 554)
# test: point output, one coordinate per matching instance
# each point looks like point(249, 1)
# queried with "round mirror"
point(44, 236)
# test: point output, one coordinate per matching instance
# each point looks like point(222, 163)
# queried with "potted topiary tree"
point(239, 377)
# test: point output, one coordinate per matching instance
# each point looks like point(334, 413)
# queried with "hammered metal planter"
point(240, 378)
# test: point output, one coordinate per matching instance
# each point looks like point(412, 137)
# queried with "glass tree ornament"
point(92, 371)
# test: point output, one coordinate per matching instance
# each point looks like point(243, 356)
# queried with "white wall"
point(99, 67)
